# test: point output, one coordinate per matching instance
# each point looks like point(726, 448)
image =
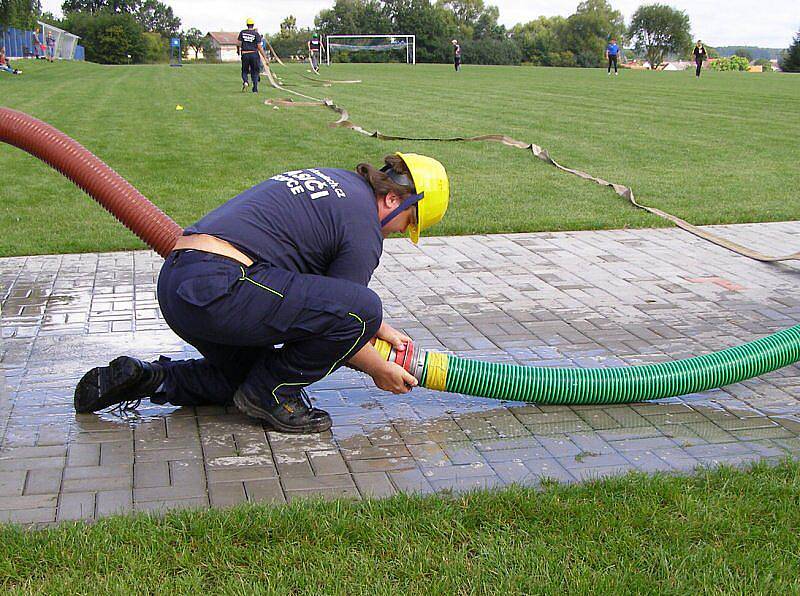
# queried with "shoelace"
point(124, 407)
point(306, 400)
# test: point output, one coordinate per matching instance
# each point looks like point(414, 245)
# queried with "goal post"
point(372, 43)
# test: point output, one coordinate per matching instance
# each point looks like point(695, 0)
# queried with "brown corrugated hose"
point(93, 176)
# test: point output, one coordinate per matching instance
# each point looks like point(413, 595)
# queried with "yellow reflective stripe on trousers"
point(255, 283)
point(334, 365)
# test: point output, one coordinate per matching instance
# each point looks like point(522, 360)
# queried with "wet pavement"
point(584, 299)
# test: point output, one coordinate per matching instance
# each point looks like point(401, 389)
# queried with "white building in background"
point(225, 44)
point(677, 65)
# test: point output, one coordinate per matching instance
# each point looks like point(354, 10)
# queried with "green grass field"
point(720, 149)
point(721, 532)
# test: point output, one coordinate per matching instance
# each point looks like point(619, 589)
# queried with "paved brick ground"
point(580, 298)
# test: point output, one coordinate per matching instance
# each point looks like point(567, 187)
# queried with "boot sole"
point(106, 382)
point(254, 411)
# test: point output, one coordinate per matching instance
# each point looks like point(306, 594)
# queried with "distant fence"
point(20, 44)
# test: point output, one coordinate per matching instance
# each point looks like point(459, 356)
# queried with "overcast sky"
point(717, 22)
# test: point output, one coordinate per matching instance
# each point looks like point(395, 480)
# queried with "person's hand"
point(388, 333)
point(394, 378)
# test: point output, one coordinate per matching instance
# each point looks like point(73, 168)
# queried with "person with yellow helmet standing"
point(248, 48)
point(271, 288)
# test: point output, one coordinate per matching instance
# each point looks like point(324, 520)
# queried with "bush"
point(108, 37)
point(765, 64)
point(155, 50)
point(732, 63)
point(739, 63)
point(491, 51)
point(720, 64)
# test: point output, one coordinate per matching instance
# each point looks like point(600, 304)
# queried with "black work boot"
point(125, 379)
point(294, 414)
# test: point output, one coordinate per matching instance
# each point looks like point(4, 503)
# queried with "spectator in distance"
point(38, 46)
point(612, 53)
point(4, 64)
point(700, 56)
point(51, 46)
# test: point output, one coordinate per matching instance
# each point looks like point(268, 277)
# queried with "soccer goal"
point(403, 44)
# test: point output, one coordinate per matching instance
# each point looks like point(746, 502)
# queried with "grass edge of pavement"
point(737, 520)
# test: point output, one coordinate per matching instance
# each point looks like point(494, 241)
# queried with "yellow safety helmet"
point(430, 181)
point(250, 22)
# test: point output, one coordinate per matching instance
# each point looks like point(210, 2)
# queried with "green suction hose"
point(576, 386)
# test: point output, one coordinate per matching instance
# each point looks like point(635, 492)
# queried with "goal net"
point(393, 47)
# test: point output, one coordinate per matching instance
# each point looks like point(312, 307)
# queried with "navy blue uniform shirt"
point(319, 221)
point(250, 40)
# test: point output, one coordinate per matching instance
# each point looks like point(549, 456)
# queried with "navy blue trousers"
point(251, 64)
point(235, 315)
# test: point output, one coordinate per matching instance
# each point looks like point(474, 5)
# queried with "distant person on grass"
point(264, 53)
point(51, 46)
point(38, 46)
point(456, 55)
point(263, 57)
point(700, 56)
point(271, 288)
point(248, 49)
point(5, 66)
point(314, 51)
point(612, 53)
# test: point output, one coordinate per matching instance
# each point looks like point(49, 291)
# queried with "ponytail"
point(381, 183)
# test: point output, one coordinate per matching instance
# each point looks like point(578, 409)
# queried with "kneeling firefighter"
point(285, 262)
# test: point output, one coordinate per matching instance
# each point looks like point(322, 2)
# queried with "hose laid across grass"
point(539, 152)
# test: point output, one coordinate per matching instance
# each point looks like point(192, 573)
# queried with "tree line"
point(111, 31)
point(133, 31)
point(580, 39)
point(21, 14)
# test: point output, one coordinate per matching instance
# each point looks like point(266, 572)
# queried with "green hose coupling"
point(577, 386)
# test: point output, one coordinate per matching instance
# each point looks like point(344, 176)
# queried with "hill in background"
point(756, 52)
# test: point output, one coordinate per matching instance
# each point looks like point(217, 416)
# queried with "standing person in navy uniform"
point(314, 51)
point(612, 52)
point(248, 48)
point(285, 262)
point(700, 55)
point(456, 55)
